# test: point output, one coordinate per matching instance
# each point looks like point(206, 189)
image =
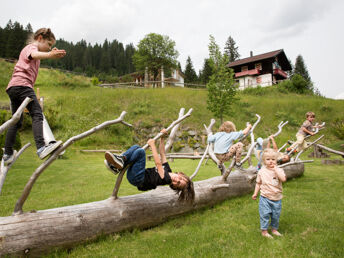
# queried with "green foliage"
point(257, 91)
point(337, 127)
point(94, 81)
point(221, 87)
point(155, 51)
point(190, 74)
point(81, 57)
point(206, 72)
point(231, 50)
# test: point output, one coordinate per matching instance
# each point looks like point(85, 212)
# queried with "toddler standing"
point(21, 86)
point(269, 183)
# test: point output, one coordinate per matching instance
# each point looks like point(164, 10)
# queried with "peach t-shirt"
point(271, 186)
point(26, 69)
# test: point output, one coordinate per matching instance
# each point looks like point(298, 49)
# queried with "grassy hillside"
point(73, 105)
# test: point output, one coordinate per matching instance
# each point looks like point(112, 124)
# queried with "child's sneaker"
point(8, 159)
point(238, 165)
point(47, 149)
point(116, 160)
point(111, 168)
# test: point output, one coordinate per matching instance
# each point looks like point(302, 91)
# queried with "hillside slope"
point(73, 105)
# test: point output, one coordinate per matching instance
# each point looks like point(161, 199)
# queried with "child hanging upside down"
point(149, 178)
point(223, 142)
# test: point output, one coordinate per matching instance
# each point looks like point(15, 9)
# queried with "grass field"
point(312, 218)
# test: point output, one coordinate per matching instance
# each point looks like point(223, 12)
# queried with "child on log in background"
point(305, 130)
point(21, 86)
point(224, 148)
point(149, 178)
point(266, 143)
point(269, 183)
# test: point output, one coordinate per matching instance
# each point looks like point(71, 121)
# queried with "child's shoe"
point(276, 233)
point(8, 159)
point(47, 149)
point(267, 235)
point(115, 160)
point(238, 165)
point(111, 167)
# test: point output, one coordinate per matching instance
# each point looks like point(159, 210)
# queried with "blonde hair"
point(310, 114)
point(269, 153)
point(227, 127)
point(44, 32)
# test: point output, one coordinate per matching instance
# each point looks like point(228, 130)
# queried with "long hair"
point(46, 33)
point(188, 192)
point(227, 127)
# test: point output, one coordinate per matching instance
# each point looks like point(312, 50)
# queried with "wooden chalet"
point(264, 69)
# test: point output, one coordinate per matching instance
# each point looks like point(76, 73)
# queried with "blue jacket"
point(223, 141)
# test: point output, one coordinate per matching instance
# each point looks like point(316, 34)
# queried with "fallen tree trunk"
point(38, 232)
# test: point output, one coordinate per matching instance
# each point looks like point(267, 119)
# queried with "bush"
point(338, 128)
point(94, 81)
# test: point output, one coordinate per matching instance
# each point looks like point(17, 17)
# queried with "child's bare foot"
point(276, 233)
point(266, 234)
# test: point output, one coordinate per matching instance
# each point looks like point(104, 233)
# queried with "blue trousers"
point(269, 209)
point(136, 157)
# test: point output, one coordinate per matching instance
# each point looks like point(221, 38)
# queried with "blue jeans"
point(136, 157)
point(269, 209)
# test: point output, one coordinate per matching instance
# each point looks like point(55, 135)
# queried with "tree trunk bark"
point(35, 233)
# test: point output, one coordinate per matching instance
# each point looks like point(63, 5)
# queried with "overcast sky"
point(312, 28)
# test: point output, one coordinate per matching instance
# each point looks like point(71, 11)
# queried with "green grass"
point(312, 219)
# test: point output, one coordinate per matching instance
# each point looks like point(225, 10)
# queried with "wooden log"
point(39, 232)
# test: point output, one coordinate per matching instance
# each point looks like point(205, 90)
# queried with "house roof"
point(282, 59)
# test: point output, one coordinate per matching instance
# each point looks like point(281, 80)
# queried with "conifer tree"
point(206, 72)
point(301, 69)
point(190, 73)
point(231, 50)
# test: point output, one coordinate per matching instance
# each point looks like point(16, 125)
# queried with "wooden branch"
point(298, 155)
point(4, 169)
point(119, 151)
point(280, 126)
point(331, 150)
point(295, 162)
point(200, 162)
point(16, 116)
point(253, 127)
point(249, 152)
point(228, 170)
point(279, 150)
point(27, 189)
point(211, 145)
point(219, 186)
point(172, 125)
point(174, 130)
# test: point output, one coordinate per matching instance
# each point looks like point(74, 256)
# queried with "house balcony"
point(247, 72)
point(281, 73)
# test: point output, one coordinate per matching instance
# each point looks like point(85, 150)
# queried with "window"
point(258, 66)
point(244, 68)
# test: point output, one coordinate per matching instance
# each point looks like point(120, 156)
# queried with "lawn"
point(312, 218)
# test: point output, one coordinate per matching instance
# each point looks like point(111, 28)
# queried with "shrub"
point(94, 80)
point(338, 128)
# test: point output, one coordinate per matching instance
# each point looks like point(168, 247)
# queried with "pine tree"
point(301, 69)
point(206, 71)
point(231, 50)
point(190, 74)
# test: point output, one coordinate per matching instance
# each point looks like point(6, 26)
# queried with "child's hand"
point(57, 53)
point(271, 137)
point(164, 132)
point(254, 197)
point(151, 142)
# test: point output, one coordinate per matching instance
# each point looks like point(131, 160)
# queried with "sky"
point(311, 28)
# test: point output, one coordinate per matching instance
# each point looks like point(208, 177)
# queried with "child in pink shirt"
point(21, 86)
point(269, 183)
